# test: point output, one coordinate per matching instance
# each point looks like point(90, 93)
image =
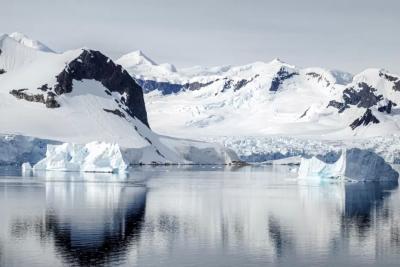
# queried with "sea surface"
point(195, 216)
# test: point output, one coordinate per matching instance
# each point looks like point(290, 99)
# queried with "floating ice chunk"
point(26, 167)
point(353, 164)
point(91, 157)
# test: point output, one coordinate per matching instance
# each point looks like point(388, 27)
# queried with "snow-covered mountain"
point(28, 42)
point(266, 99)
point(81, 96)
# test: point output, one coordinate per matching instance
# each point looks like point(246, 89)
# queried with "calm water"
point(251, 216)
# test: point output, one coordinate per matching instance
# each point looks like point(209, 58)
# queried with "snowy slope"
point(82, 96)
point(265, 99)
point(26, 41)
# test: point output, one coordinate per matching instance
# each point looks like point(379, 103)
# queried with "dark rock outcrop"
point(167, 88)
point(44, 88)
point(319, 77)
point(196, 85)
point(93, 65)
point(282, 75)
point(364, 97)
point(396, 86)
point(391, 78)
point(387, 108)
point(49, 101)
point(388, 77)
point(365, 119)
point(339, 105)
point(2, 71)
point(116, 112)
point(164, 87)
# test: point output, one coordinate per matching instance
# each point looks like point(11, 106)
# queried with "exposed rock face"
point(49, 101)
point(167, 88)
point(196, 85)
point(339, 105)
point(319, 77)
point(391, 78)
point(93, 65)
point(396, 86)
point(387, 107)
point(164, 87)
point(116, 112)
point(364, 98)
point(282, 75)
point(2, 71)
point(366, 119)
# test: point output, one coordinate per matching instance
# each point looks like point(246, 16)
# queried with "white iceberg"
point(91, 157)
point(110, 157)
point(26, 167)
point(354, 164)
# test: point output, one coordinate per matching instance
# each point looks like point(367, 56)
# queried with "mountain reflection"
point(217, 218)
point(110, 221)
point(89, 224)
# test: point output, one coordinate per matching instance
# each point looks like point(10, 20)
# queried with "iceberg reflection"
point(174, 216)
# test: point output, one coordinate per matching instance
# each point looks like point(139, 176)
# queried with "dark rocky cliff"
point(93, 65)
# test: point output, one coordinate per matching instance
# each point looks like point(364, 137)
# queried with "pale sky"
point(350, 35)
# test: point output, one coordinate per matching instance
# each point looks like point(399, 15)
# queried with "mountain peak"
point(136, 58)
point(28, 42)
point(277, 60)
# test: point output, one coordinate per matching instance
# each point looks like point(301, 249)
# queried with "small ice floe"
point(353, 165)
point(26, 168)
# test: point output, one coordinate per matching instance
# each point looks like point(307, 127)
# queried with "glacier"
point(353, 164)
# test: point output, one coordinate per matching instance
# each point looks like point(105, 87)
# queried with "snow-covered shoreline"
point(44, 154)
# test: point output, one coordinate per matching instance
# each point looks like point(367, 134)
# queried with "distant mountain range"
point(80, 96)
point(273, 98)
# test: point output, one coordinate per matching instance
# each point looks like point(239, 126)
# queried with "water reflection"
point(175, 217)
point(99, 226)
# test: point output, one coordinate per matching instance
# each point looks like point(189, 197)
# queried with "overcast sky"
point(339, 34)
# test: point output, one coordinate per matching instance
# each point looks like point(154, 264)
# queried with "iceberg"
point(90, 157)
point(26, 167)
point(111, 157)
point(354, 164)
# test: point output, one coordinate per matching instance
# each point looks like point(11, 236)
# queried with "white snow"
point(28, 42)
point(79, 121)
point(353, 164)
point(249, 120)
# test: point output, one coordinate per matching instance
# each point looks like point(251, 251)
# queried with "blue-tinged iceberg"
point(354, 164)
